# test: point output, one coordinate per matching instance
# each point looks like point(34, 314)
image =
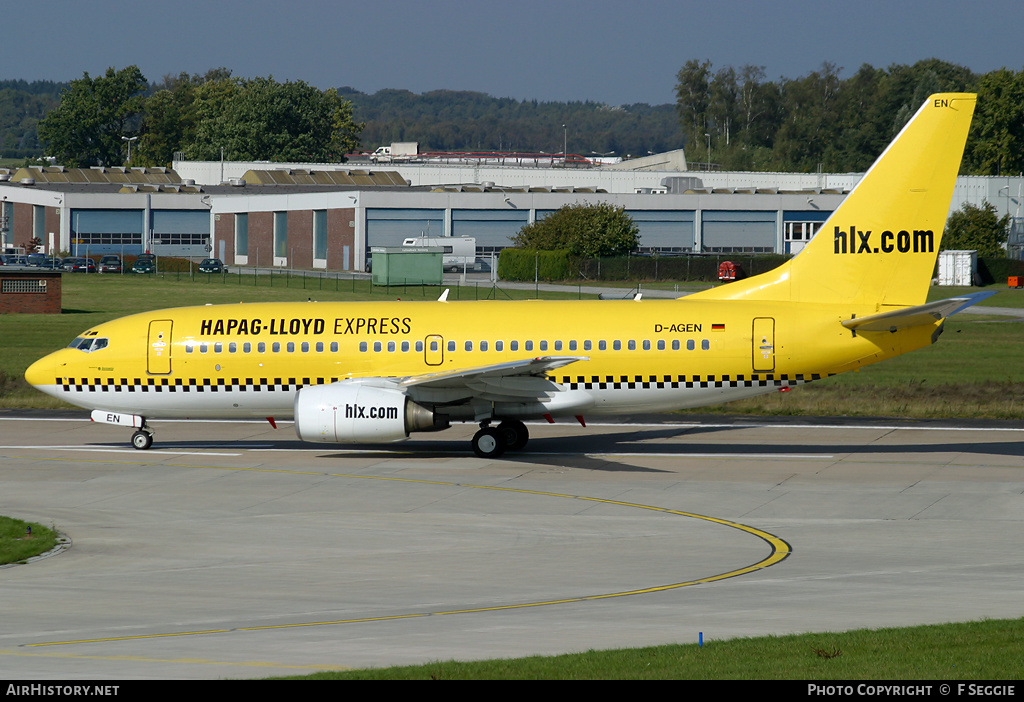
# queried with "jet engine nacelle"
point(344, 413)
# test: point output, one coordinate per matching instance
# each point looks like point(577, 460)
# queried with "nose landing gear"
point(143, 438)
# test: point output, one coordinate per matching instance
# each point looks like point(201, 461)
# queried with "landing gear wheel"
point(516, 434)
point(489, 443)
point(142, 440)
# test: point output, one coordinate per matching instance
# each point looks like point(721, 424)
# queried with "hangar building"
point(327, 216)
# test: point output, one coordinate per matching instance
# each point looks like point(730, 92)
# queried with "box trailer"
point(959, 268)
point(459, 251)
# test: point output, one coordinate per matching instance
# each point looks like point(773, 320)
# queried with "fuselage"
point(249, 360)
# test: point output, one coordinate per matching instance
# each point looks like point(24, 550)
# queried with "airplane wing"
point(928, 313)
point(464, 377)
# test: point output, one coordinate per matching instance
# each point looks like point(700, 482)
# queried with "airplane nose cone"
point(40, 372)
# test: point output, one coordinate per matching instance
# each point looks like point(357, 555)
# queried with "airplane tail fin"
point(879, 247)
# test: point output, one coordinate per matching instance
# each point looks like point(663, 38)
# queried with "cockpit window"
point(88, 345)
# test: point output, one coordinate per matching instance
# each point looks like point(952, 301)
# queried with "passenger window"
point(529, 346)
point(362, 346)
point(391, 347)
point(469, 345)
point(319, 347)
point(602, 345)
point(572, 345)
point(499, 345)
point(586, 345)
point(513, 345)
point(689, 345)
point(543, 346)
point(405, 346)
point(261, 347)
point(232, 347)
point(291, 347)
point(218, 347)
point(675, 344)
point(246, 347)
point(305, 347)
point(276, 347)
point(617, 345)
point(334, 347)
point(647, 345)
point(376, 347)
point(632, 345)
point(419, 347)
point(705, 345)
point(483, 345)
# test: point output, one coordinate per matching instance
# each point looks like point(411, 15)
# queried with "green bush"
point(695, 267)
point(528, 264)
point(996, 270)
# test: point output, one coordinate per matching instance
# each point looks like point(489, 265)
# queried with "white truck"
point(398, 151)
point(459, 251)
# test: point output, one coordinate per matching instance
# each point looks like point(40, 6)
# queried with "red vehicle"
point(729, 271)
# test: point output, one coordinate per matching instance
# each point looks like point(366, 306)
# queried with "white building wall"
point(1005, 192)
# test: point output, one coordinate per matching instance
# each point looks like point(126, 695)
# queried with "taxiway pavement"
point(232, 550)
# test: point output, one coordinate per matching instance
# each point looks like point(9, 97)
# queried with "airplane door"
point(764, 344)
point(433, 350)
point(158, 354)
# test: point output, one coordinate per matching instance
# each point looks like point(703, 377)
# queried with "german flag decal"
point(717, 327)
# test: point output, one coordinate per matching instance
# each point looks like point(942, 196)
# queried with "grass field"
point(971, 372)
point(988, 650)
point(21, 540)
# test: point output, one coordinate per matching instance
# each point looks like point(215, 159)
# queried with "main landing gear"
point(491, 442)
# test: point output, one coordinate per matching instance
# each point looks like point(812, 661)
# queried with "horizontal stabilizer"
point(928, 313)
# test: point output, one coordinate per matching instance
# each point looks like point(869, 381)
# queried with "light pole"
point(129, 140)
point(709, 150)
point(565, 146)
point(1007, 189)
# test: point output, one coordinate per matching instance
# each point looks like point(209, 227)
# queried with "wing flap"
point(464, 377)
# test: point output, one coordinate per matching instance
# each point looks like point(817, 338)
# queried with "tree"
point(586, 230)
point(261, 119)
point(93, 116)
point(996, 145)
point(977, 228)
point(693, 99)
point(171, 116)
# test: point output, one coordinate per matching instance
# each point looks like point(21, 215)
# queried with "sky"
point(553, 50)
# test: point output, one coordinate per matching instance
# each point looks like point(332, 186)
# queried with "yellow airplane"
point(375, 371)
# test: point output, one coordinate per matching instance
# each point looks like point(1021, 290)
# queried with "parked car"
point(110, 264)
point(53, 263)
point(211, 265)
point(79, 264)
point(15, 259)
point(144, 265)
point(36, 259)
